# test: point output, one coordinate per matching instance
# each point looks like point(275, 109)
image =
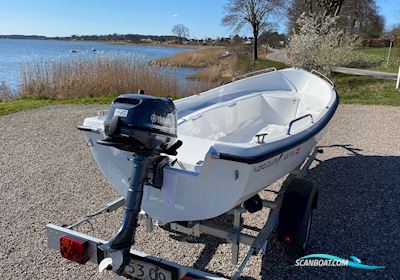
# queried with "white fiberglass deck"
point(241, 119)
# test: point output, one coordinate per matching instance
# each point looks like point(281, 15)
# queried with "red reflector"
point(288, 239)
point(74, 250)
point(187, 278)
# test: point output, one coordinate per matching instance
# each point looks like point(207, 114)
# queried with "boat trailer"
point(292, 221)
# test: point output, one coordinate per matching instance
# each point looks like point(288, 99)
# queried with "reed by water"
point(101, 76)
point(201, 57)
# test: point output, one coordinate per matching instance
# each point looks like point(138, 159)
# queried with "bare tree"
point(256, 13)
point(359, 17)
point(322, 8)
point(180, 31)
point(325, 7)
point(362, 17)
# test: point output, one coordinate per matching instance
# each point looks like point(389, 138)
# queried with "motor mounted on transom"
point(142, 124)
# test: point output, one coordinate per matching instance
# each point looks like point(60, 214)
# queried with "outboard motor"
point(141, 124)
point(147, 127)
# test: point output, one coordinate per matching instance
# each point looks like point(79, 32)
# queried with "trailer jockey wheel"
point(295, 217)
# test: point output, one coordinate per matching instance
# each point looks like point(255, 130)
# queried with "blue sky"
point(67, 17)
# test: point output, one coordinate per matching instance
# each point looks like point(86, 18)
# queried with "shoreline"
point(175, 46)
point(121, 43)
point(9, 87)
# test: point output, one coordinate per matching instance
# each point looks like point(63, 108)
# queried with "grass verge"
point(262, 64)
point(366, 90)
point(376, 58)
point(12, 105)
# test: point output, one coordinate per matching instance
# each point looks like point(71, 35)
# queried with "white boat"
point(237, 139)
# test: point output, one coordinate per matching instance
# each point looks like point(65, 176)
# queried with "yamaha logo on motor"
point(160, 120)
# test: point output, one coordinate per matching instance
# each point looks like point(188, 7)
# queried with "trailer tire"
point(295, 217)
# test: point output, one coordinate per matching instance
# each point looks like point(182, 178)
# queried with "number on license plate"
point(143, 270)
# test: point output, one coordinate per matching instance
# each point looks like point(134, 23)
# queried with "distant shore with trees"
point(271, 37)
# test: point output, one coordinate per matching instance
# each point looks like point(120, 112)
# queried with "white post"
point(398, 79)
point(390, 48)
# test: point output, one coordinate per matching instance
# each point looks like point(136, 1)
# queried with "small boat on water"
point(236, 140)
point(73, 51)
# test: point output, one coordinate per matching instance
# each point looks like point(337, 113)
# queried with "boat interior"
point(255, 118)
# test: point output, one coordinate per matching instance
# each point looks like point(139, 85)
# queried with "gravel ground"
point(48, 176)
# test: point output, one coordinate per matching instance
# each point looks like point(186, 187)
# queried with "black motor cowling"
point(142, 124)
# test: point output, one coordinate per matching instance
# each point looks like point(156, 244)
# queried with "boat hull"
point(187, 196)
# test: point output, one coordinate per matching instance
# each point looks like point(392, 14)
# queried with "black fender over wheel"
point(299, 200)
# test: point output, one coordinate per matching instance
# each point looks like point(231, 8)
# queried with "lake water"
point(15, 53)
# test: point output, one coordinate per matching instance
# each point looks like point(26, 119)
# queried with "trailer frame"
point(257, 244)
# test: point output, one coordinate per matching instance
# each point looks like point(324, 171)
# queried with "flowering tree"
point(319, 44)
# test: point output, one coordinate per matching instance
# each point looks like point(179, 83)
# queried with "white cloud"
point(175, 15)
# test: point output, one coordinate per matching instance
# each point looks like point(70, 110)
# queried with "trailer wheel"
point(295, 217)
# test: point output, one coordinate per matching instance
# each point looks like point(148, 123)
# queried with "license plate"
point(139, 269)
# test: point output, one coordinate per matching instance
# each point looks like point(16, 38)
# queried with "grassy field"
point(374, 51)
point(366, 90)
point(13, 105)
point(375, 59)
point(262, 64)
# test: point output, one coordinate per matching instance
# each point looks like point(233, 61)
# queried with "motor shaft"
point(125, 236)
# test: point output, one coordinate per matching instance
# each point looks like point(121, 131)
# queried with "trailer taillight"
point(74, 250)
